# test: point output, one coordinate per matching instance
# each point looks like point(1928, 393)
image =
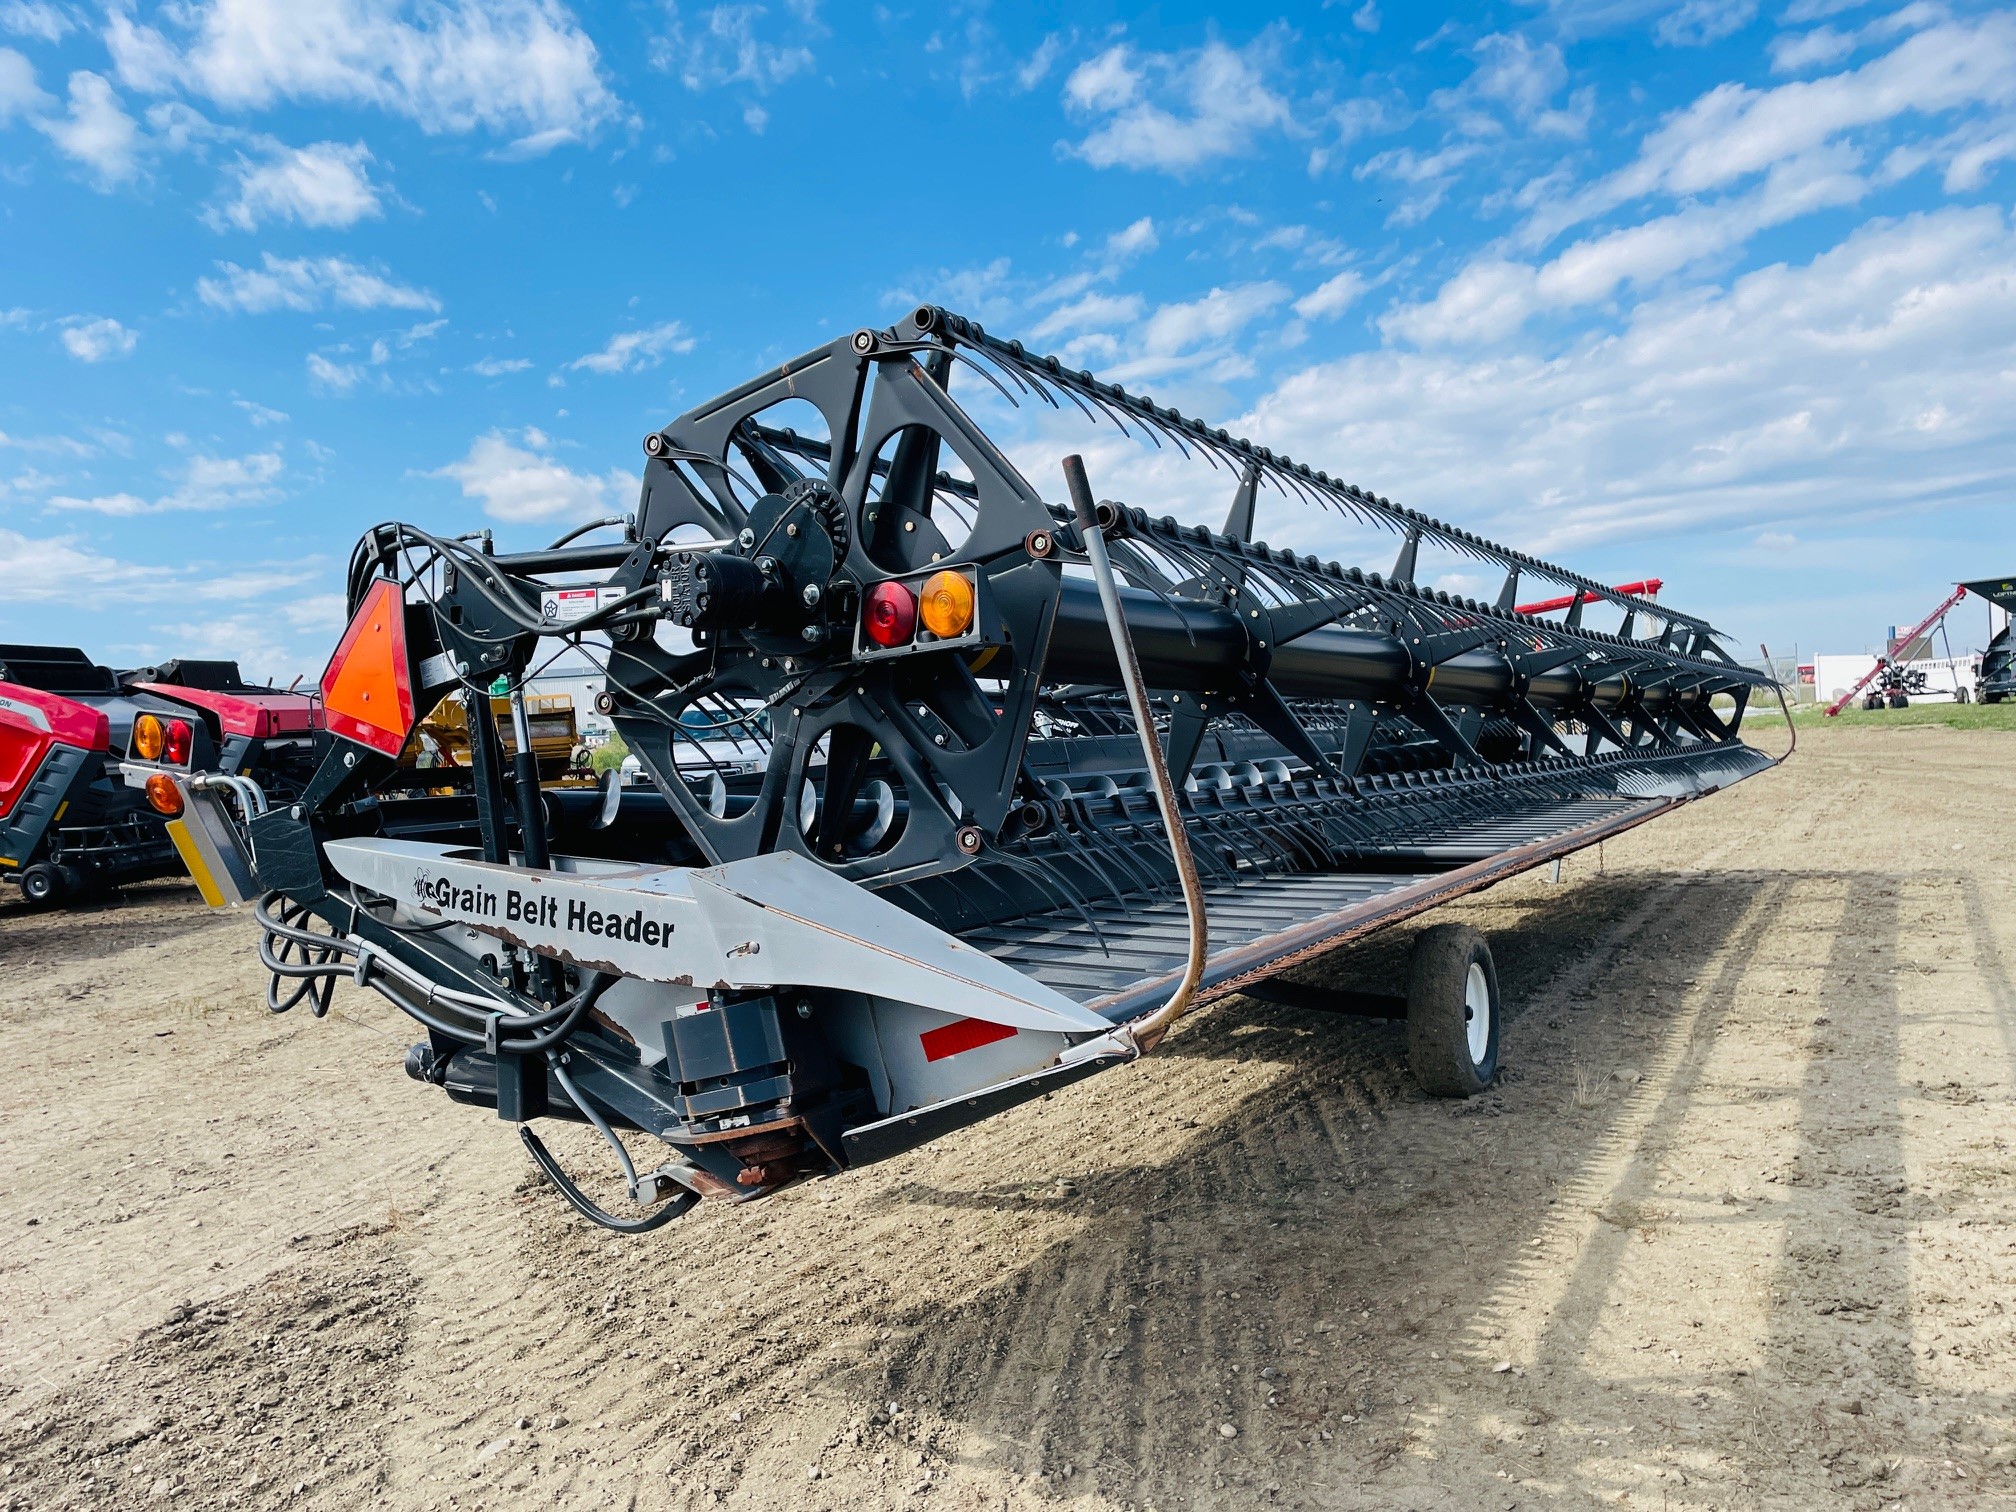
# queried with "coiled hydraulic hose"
point(289, 951)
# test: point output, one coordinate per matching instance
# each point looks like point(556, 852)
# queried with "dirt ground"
point(1735, 1230)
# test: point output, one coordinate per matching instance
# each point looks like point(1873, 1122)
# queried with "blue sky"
point(1721, 291)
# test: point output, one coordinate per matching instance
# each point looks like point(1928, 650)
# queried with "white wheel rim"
point(1477, 1012)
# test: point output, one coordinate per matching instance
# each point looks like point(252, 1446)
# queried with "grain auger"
point(957, 794)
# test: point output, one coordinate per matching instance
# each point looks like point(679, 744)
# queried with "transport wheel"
point(1899, 701)
point(1961, 695)
point(1452, 1012)
point(42, 885)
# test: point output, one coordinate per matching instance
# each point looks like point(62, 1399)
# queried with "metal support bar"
point(1339, 1000)
point(1149, 1029)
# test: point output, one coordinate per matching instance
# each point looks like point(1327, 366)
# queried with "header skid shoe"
point(949, 794)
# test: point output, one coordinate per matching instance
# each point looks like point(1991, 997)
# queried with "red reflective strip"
point(961, 1035)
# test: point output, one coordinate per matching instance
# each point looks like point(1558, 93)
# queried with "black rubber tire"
point(1899, 701)
point(1438, 1018)
point(1961, 695)
point(42, 885)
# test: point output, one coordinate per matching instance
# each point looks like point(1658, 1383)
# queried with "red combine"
point(87, 759)
point(267, 734)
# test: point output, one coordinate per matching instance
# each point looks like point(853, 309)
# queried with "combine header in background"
point(958, 794)
point(88, 756)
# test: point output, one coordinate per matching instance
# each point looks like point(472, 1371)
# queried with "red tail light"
point(890, 614)
point(175, 746)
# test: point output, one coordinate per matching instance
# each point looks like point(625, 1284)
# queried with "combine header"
point(958, 795)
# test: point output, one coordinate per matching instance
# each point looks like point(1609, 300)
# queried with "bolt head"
point(811, 595)
point(746, 539)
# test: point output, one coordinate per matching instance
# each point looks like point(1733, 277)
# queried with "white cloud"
point(1221, 313)
point(1366, 17)
point(35, 18)
point(1430, 174)
point(1173, 111)
point(54, 568)
point(259, 414)
point(1515, 77)
point(1733, 132)
point(631, 351)
point(1696, 23)
point(1795, 52)
point(737, 44)
point(1878, 372)
point(1036, 67)
point(520, 482)
point(505, 66)
point(1492, 297)
point(205, 484)
point(1487, 301)
point(334, 377)
point(20, 95)
point(1136, 239)
point(97, 132)
point(324, 184)
point(248, 583)
point(1088, 312)
point(1675, 23)
point(497, 367)
point(68, 446)
point(1331, 298)
point(98, 340)
point(307, 283)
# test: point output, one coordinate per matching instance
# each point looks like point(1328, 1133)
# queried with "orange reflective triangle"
point(367, 691)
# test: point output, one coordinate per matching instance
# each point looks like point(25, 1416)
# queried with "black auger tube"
point(1187, 646)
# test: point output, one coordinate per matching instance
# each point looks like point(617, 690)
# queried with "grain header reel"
point(958, 794)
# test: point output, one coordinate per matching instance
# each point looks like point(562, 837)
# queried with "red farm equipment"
point(1891, 682)
point(267, 734)
point(88, 757)
point(1647, 588)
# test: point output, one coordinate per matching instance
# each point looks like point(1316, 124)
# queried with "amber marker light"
point(946, 604)
point(164, 795)
point(148, 737)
